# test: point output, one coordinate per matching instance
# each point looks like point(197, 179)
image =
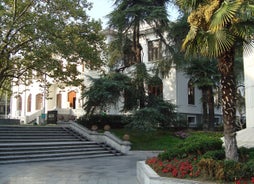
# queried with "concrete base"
point(245, 138)
point(146, 175)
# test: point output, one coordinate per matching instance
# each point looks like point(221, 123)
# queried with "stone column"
point(249, 86)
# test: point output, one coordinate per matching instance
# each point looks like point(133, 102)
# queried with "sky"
point(101, 8)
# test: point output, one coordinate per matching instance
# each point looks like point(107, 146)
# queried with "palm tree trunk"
point(204, 105)
point(228, 85)
point(210, 102)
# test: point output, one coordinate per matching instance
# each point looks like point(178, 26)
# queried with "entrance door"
point(72, 99)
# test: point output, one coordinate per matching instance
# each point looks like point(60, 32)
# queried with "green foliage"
point(196, 144)
point(146, 119)
point(158, 114)
point(215, 154)
point(245, 153)
point(155, 140)
point(233, 170)
point(166, 109)
point(50, 37)
point(105, 91)
point(114, 121)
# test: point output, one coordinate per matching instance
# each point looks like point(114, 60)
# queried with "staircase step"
point(46, 143)
point(35, 140)
point(52, 151)
point(55, 158)
point(46, 155)
point(58, 147)
point(31, 143)
point(41, 151)
point(37, 137)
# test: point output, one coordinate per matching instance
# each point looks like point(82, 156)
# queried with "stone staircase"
point(43, 143)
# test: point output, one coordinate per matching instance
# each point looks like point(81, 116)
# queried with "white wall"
point(182, 96)
point(249, 87)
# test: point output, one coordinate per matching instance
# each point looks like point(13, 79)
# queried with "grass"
point(158, 140)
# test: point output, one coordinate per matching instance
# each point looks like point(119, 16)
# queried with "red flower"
point(238, 181)
point(165, 170)
point(252, 179)
point(175, 172)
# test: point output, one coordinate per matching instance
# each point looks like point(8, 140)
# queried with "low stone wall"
point(106, 137)
point(146, 175)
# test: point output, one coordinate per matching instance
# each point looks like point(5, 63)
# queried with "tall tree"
point(217, 27)
point(126, 19)
point(40, 35)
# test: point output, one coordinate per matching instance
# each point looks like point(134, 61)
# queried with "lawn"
point(158, 140)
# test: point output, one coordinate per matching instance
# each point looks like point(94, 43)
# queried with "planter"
point(146, 175)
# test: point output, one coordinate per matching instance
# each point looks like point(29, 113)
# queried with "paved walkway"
point(108, 170)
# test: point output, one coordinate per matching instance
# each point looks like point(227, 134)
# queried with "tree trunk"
point(210, 101)
point(137, 50)
point(204, 105)
point(228, 85)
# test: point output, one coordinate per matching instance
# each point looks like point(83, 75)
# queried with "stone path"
point(107, 170)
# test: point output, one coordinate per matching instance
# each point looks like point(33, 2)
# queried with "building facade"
point(32, 102)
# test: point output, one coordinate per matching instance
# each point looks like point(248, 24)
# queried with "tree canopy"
point(42, 35)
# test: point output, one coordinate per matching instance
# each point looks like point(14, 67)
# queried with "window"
point(191, 93)
point(59, 100)
point(154, 50)
point(19, 103)
point(155, 90)
point(72, 99)
point(217, 121)
point(192, 121)
point(29, 103)
point(38, 105)
point(155, 86)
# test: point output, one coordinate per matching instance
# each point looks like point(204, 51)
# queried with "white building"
point(29, 102)
point(249, 86)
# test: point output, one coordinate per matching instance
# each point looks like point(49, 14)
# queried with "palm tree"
point(205, 75)
point(217, 28)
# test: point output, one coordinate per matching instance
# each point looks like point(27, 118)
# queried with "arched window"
point(72, 99)
point(59, 100)
point(19, 103)
point(29, 103)
point(39, 98)
point(191, 93)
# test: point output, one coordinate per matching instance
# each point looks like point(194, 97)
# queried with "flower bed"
point(188, 168)
point(202, 158)
point(146, 175)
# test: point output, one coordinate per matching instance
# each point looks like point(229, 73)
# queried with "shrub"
point(193, 144)
point(202, 144)
point(211, 168)
point(233, 170)
point(114, 121)
point(145, 119)
point(248, 167)
point(215, 154)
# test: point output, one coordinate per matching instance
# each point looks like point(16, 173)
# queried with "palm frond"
point(223, 41)
point(225, 14)
point(189, 5)
point(243, 30)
